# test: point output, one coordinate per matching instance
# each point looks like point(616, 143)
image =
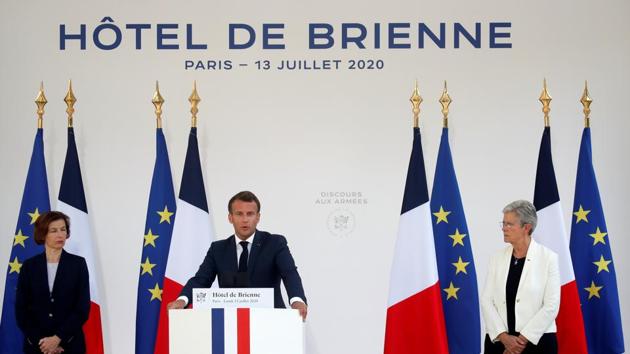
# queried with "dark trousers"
point(548, 344)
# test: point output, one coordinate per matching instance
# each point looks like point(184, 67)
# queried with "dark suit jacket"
point(269, 261)
point(63, 312)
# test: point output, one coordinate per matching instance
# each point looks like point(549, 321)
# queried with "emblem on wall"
point(341, 222)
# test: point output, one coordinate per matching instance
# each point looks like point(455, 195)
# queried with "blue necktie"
point(242, 261)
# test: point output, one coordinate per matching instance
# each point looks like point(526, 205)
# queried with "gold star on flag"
point(15, 266)
point(156, 293)
point(593, 290)
point(602, 264)
point(457, 238)
point(149, 239)
point(451, 291)
point(460, 266)
point(580, 215)
point(165, 215)
point(34, 215)
point(598, 236)
point(19, 239)
point(441, 215)
point(147, 267)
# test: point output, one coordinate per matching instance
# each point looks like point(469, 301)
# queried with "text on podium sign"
point(206, 298)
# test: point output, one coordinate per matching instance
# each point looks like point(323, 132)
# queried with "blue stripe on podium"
point(218, 331)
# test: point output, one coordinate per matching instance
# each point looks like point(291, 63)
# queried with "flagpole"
point(586, 102)
point(545, 99)
point(40, 101)
point(194, 100)
point(415, 102)
point(70, 100)
point(157, 101)
point(445, 101)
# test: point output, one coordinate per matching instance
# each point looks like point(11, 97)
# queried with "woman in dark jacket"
point(53, 292)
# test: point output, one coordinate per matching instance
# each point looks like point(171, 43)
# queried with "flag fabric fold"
point(192, 235)
point(456, 267)
point(155, 246)
point(72, 202)
point(415, 319)
point(592, 260)
point(35, 201)
point(551, 233)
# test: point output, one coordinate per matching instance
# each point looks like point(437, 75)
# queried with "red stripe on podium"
point(242, 324)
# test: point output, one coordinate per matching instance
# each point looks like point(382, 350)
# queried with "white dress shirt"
point(52, 273)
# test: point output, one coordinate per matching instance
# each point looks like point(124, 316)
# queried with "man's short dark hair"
point(43, 222)
point(244, 196)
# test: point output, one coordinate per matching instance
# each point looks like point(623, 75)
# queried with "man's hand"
point(512, 344)
point(301, 307)
point(176, 305)
point(49, 345)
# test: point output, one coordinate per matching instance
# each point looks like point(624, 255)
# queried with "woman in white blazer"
point(522, 294)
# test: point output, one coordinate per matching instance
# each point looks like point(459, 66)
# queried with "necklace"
point(515, 260)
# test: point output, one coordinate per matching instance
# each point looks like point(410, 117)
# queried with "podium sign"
point(236, 330)
point(207, 298)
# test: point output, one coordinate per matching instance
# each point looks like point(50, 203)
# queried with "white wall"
point(290, 136)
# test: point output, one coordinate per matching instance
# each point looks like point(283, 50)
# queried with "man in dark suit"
point(249, 258)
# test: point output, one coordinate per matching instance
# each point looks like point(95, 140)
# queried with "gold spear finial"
point(545, 99)
point(445, 101)
point(586, 102)
point(70, 101)
point(194, 100)
point(40, 101)
point(415, 101)
point(157, 102)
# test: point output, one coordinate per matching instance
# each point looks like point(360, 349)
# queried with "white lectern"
point(236, 331)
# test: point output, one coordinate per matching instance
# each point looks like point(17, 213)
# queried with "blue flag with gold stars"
point(35, 200)
point(456, 267)
point(155, 246)
point(592, 260)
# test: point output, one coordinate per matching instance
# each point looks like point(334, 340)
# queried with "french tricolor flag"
point(72, 203)
point(551, 232)
point(415, 320)
point(192, 235)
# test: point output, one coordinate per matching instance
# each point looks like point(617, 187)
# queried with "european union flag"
point(592, 260)
point(456, 266)
point(35, 201)
point(155, 247)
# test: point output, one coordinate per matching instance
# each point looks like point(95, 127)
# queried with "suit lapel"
point(59, 277)
point(504, 265)
point(230, 254)
point(41, 270)
point(531, 256)
point(259, 238)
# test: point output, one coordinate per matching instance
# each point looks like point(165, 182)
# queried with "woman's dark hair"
point(43, 222)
